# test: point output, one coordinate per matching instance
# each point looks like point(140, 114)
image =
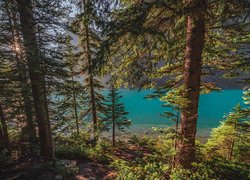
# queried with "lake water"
point(145, 113)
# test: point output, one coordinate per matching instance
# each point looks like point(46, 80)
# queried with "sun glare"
point(16, 47)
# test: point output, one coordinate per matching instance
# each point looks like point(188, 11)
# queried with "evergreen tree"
point(195, 39)
point(36, 77)
point(89, 41)
point(4, 136)
point(231, 139)
point(20, 65)
point(116, 116)
point(246, 96)
point(51, 23)
point(5, 86)
point(71, 96)
point(16, 90)
point(146, 35)
point(174, 102)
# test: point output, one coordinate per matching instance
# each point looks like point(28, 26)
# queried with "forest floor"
point(36, 170)
point(31, 168)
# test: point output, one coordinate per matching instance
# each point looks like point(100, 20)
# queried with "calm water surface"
point(145, 113)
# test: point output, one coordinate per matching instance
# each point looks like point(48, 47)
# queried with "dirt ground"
point(31, 168)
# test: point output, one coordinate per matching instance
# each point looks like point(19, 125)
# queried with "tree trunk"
point(231, 148)
point(113, 132)
point(23, 79)
point(176, 137)
point(113, 116)
point(74, 105)
point(195, 38)
point(4, 137)
point(91, 79)
point(25, 92)
point(36, 77)
point(93, 107)
point(230, 154)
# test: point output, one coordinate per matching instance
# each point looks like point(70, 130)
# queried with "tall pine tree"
point(148, 40)
point(71, 97)
point(22, 74)
point(37, 82)
point(89, 41)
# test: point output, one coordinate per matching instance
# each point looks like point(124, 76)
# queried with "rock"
point(69, 162)
point(79, 177)
point(59, 177)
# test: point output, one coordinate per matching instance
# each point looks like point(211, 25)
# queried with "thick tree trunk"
point(25, 92)
point(28, 112)
point(22, 71)
point(192, 76)
point(4, 137)
point(36, 77)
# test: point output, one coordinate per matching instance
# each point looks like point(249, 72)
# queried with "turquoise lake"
point(145, 113)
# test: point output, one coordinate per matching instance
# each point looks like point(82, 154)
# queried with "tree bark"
point(230, 154)
point(23, 79)
point(176, 137)
point(93, 107)
point(4, 137)
point(231, 148)
point(74, 105)
point(113, 116)
point(91, 78)
point(25, 92)
point(195, 38)
point(36, 77)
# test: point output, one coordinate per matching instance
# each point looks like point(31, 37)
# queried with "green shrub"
point(124, 171)
point(230, 170)
point(66, 168)
point(101, 152)
point(72, 147)
point(139, 169)
point(214, 169)
point(142, 141)
point(4, 158)
point(72, 151)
